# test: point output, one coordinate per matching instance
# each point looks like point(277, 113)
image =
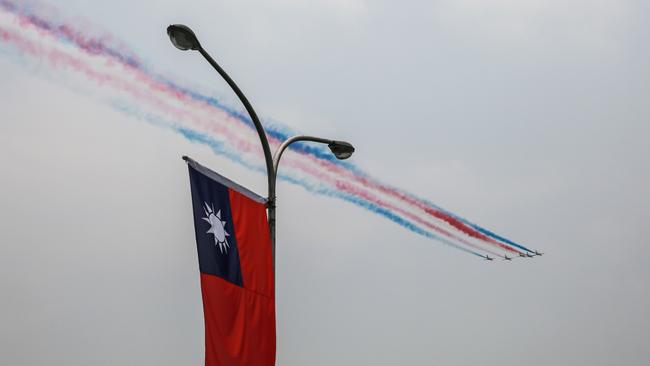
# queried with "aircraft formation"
point(505, 257)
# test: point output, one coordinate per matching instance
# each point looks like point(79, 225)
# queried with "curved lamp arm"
point(256, 122)
point(278, 152)
point(183, 38)
point(274, 174)
point(340, 149)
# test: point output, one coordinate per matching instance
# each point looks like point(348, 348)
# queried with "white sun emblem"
point(216, 228)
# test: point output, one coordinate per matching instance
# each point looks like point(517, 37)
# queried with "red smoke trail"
point(368, 196)
point(404, 198)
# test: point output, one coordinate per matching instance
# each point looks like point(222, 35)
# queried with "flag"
point(236, 265)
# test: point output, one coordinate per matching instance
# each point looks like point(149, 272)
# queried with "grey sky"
point(528, 117)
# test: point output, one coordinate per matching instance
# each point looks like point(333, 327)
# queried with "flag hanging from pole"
point(236, 265)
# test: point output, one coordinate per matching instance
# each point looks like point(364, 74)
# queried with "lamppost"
point(184, 39)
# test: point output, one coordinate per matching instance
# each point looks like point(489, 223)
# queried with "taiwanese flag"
point(235, 260)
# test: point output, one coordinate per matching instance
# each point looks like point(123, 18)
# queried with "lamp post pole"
point(184, 39)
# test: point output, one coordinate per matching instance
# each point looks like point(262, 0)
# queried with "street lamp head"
point(341, 149)
point(182, 37)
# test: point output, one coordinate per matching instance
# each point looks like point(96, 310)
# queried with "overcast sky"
point(528, 117)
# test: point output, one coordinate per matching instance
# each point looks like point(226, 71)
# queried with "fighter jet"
point(538, 253)
point(488, 258)
point(505, 257)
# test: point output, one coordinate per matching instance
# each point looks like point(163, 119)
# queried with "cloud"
point(350, 9)
point(508, 21)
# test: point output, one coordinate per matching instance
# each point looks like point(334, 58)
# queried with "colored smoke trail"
point(194, 117)
point(219, 149)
